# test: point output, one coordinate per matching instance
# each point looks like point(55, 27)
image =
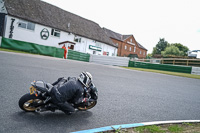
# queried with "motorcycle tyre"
point(87, 107)
point(27, 97)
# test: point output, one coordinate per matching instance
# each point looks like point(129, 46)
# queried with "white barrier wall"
point(195, 70)
point(109, 60)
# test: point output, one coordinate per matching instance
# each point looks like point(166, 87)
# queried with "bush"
point(172, 51)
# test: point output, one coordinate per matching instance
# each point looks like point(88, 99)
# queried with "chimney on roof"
point(68, 25)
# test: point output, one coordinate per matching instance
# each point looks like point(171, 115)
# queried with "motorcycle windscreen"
point(41, 86)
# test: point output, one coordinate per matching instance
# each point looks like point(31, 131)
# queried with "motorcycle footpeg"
point(40, 110)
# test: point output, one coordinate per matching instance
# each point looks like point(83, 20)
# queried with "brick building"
point(127, 45)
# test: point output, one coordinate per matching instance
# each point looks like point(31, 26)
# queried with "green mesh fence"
point(32, 48)
point(74, 55)
point(164, 67)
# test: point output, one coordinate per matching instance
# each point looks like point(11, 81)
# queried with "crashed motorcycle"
point(39, 100)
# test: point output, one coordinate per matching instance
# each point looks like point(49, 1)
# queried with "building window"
point(22, 25)
point(144, 53)
point(134, 49)
point(131, 40)
point(130, 49)
point(117, 44)
point(31, 26)
point(55, 32)
point(125, 47)
point(77, 39)
point(26, 25)
point(140, 52)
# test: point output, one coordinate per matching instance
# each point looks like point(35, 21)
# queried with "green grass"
point(166, 72)
point(15, 51)
point(164, 128)
point(149, 129)
point(175, 129)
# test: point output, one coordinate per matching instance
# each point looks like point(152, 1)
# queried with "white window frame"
point(77, 39)
point(125, 47)
point(55, 32)
point(130, 49)
point(134, 49)
point(140, 52)
point(27, 25)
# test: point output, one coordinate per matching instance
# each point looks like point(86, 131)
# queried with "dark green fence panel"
point(74, 55)
point(164, 67)
point(32, 48)
point(131, 64)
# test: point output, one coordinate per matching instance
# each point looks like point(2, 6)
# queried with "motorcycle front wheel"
point(28, 102)
point(91, 105)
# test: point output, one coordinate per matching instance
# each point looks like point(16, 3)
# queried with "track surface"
point(125, 96)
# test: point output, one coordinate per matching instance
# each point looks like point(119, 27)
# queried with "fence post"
point(187, 62)
point(173, 62)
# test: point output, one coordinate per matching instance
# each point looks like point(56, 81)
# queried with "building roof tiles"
point(43, 13)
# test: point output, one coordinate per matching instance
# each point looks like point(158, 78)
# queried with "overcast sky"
point(178, 21)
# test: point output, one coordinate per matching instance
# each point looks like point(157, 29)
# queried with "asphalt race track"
point(125, 96)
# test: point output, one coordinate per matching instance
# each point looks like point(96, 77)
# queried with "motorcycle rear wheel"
point(26, 101)
point(92, 104)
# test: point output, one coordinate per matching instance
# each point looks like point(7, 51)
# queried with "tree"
point(181, 48)
point(154, 52)
point(172, 51)
point(149, 55)
point(160, 46)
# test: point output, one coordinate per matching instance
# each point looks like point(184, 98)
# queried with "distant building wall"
point(129, 46)
point(37, 30)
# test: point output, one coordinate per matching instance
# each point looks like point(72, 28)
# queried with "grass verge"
point(15, 51)
point(165, 128)
point(166, 72)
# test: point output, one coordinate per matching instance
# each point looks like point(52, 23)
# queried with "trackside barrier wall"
point(109, 60)
point(32, 48)
point(196, 70)
point(75, 55)
point(164, 67)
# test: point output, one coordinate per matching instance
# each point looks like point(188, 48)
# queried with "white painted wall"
point(105, 48)
point(34, 37)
